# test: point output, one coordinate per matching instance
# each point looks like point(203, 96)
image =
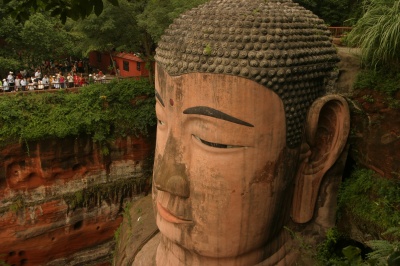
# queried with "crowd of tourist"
point(23, 82)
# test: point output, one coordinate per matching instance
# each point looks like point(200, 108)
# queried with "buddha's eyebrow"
point(159, 98)
point(208, 111)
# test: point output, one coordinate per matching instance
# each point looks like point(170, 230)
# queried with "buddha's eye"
point(216, 145)
point(160, 122)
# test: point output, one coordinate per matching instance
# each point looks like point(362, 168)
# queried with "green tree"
point(44, 38)
point(157, 15)
point(75, 9)
point(115, 29)
point(9, 56)
point(377, 33)
point(40, 38)
point(133, 26)
point(334, 12)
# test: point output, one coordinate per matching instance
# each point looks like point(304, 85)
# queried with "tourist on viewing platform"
point(82, 81)
point(10, 80)
point(91, 79)
point(40, 85)
point(73, 69)
point(102, 78)
point(51, 82)
point(76, 80)
point(24, 73)
point(5, 85)
point(45, 82)
point(57, 81)
point(38, 75)
point(17, 83)
point(62, 81)
point(31, 84)
point(23, 84)
point(70, 80)
point(35, 82)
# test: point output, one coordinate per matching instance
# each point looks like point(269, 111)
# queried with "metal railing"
point(47, 87)
point(338, 32)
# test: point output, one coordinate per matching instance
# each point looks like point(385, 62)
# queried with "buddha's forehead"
point(278, 44)
point(209, 86)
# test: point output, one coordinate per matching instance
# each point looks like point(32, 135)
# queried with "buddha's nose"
point(170, 173)
point(176, 185)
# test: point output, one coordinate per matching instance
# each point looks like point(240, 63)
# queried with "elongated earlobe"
point(327, 128)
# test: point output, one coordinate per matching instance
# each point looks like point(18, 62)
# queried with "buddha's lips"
point(169, 217)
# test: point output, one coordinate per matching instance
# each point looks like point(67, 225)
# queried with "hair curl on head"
point(276, 43)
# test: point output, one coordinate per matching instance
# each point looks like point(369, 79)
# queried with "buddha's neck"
point(278, 252)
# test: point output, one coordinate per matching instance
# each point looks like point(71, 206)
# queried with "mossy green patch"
point(383, 81)
point(371, 200)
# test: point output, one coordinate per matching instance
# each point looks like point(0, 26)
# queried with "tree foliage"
point(43, 37)
point(104, 111)
point(371, 200)
point(334, 12)
point(377, 34)
point(74, 9)
point(133, 26)
point(40, 38)
point(157, 15)
point(115, 28)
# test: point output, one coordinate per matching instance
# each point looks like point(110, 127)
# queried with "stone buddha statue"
point(246, 131)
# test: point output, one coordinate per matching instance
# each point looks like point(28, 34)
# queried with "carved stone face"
point(223, 177)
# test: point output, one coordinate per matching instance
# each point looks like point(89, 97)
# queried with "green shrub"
point(371, 200)
point(383, 81)
point(385, 252)
point(326, 251)
point(376, 33)
point(104, 111)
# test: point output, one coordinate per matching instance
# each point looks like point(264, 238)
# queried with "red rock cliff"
point(60, 200)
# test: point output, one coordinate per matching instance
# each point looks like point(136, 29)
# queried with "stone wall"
point(61, 199)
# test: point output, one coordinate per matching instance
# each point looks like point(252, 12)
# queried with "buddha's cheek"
point(220, 199)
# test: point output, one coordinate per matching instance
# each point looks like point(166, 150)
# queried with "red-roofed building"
point(129, 65)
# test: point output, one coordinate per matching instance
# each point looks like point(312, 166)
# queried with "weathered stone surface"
point(60, 200)
point(375, 121)
point(376, 133)
point(138, 228)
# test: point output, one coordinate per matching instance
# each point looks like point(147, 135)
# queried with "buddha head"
point(245, 130)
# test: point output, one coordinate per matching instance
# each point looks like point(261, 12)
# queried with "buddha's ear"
point(327, 128)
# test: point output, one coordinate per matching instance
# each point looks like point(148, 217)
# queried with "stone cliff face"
point(61, 199)
point(374, 143)
point(375, 120)
point(376, 133)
